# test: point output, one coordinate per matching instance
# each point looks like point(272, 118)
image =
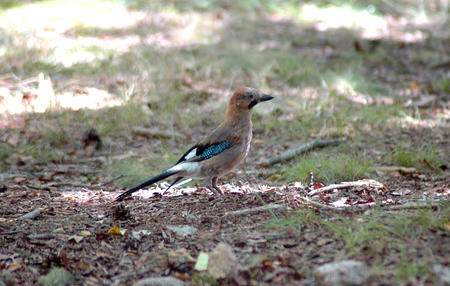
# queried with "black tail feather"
point(174, 182)
point(153, 180)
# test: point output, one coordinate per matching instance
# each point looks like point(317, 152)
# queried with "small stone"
point(342, 273)
point(31, 215)
point(159, 281)
point(442, 274)
point(56, 276)
point(223, 262)
point(180, 260)
point(138, 234)
point(202, 261)
point(182, 230)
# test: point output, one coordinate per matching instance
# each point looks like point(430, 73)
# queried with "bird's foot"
point(216, 191)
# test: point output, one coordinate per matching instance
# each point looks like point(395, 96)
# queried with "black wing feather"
point(206, 151)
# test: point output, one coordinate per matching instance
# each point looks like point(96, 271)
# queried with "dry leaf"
point(202, 261)
point(85, 233)
point(76, 238)
point(116, 230)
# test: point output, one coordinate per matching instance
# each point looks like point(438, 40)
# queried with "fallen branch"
point(345, 185)
point(366, 207)
point(41, 236)
point(153, 132)
point(37, 188)
point(110, 181)
point(318, 143)
point(391, 169)
point(414, 205)
point(322, 206)
point(31, 215)
point(10, 232)
point(257, 209)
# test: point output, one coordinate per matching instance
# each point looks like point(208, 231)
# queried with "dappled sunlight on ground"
point(366, 22)
point(97, 95)
point(53, 29)
point(91, 98)
point(185, 29)
point(439, 119)
point(344, 87)
point(61, 16)
point(343, 17)
point(41, 97)
point(93, 196)
point(61, 26)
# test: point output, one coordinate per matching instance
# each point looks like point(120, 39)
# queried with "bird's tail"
point(153, 180)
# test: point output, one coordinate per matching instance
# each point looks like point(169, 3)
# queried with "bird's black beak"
point(264, 97)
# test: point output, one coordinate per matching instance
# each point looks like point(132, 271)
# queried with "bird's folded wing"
point(202, 152)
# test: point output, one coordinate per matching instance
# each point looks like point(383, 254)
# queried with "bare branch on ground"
point(153, 132)
point(346, 185)
point(257, 209)
point(391, 169)
point(318, 143)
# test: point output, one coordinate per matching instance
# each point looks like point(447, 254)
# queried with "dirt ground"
point(381, 84)
point(75, 229)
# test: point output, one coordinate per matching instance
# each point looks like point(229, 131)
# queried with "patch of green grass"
point(376, 115)
point(296, 71)
point(132, 169)
point(136, 170)
point(379, 235)
point(5, 150)
point(350, 76)
point(56, 136)
point(9, 4)
point(115, 120)
point(411, 224)
point(410, 266)
point(443, 85)
point(43, 153)
point(329, 168)
point(302, 217)
point(56, 276)
point(198, 279)
point(422, 157)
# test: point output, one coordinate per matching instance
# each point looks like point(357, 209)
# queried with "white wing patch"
point(186, 168)
point(191, 154)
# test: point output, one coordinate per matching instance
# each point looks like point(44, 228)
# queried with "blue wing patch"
point(203, 152)
point(215, 149)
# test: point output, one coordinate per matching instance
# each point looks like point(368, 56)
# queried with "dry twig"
point(391, 169)
point(153, 132)
point(110, 181)
point(31, 215)
point(345, 185)
point(318, 143)
point(257, 209)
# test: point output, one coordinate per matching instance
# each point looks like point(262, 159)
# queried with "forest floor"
point(98, 99)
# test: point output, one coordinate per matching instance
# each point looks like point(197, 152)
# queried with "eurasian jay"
point(220, 151)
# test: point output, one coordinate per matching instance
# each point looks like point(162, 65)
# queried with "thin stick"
point(318, 143)
point(155, 132)
point(414, 205)
point(31, 215)
point(345, 185)
point(37, 188)
point(390, 169)
point(268, 207)
point(110, 181)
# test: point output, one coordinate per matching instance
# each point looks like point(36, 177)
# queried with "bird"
point(219, 152)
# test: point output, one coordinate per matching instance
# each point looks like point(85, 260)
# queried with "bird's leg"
point(214, 187)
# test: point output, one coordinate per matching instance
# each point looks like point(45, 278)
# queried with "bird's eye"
point(250, 95)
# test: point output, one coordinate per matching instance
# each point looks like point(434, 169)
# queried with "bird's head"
point(245, 98)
